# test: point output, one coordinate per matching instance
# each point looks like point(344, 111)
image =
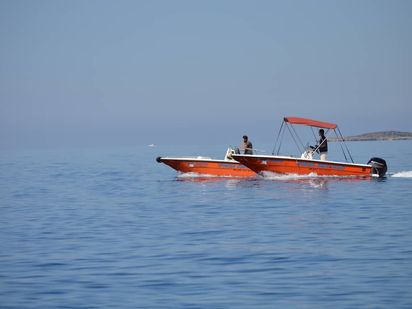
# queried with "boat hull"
point(220, 168)
point(298, 166)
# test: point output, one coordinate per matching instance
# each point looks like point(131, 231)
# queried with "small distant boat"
point(227, 167)
point(305, 164)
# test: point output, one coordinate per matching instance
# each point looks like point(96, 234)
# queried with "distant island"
point(376, 136)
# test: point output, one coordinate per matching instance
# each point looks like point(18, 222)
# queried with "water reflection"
point(228, 182)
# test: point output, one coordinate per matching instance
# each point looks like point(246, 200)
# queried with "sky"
point(90, 73)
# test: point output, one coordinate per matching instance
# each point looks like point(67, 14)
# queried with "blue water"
point(114, 229)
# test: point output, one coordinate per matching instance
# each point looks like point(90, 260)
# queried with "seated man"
point(247, 145)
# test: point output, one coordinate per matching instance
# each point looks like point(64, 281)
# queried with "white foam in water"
point(193, 175)
point(275, 176)
point(198, 175)
point(404, 174)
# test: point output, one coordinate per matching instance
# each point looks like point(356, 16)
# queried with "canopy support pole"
point(341, 147)
point(343, 142)
point(293, 136)
point(277, 139)
point(298, 138)
point(313, 132)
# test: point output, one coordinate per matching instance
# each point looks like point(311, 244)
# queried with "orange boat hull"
point(219, 168)
point(290, 165)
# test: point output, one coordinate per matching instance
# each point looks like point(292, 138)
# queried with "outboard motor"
point(379, 166)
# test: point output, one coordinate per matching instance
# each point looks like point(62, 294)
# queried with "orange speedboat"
point(306, 164)
point(227, 167)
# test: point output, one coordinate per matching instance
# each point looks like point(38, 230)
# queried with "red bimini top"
point(310, 122)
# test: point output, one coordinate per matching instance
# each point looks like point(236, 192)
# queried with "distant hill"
point(377, 136)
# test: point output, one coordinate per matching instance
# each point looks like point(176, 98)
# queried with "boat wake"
point(194, 175)
point(275, 176)
point(403, 174)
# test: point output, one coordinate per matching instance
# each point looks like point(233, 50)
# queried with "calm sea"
point(115, 229)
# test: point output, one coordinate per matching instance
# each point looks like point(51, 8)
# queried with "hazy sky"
point(138, 72)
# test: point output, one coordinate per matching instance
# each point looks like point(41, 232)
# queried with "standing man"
point(247, 145)
point(323, 145)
